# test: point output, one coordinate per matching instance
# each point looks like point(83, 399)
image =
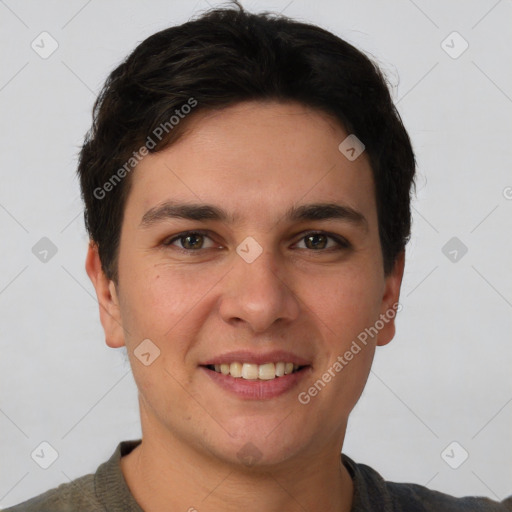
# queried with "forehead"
point(255, 158)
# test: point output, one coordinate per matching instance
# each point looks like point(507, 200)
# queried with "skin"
point(256, 160)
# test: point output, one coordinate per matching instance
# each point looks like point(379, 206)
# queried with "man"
point(247, 193)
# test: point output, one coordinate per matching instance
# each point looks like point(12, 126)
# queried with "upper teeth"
point(267, 371)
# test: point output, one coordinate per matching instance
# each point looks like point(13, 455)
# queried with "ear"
point(390, 298)
point(110, 314)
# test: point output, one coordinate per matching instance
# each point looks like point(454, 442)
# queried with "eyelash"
point(342, 243)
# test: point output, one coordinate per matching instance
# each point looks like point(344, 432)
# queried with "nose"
point(258, 294)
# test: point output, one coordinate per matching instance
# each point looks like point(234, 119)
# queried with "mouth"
point(250, 376)
point(252, 371)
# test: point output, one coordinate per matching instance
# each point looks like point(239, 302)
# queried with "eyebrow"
point(202, 212)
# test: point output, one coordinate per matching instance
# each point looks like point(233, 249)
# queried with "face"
point(267, 273)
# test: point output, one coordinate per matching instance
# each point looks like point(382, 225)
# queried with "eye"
point(318, 240)
point(193, 241)
point(189, 240)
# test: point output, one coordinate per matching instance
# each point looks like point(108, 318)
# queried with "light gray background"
point(445, 377)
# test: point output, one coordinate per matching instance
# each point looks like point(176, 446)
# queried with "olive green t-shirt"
point(107, 491)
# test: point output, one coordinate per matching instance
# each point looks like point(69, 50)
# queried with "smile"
point(251, 371)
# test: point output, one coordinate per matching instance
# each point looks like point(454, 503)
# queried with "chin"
point(260, 446)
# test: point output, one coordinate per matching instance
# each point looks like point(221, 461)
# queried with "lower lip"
point(257, 389)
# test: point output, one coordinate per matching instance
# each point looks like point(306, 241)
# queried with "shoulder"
point(373, 493)
point(104, 490)
point(405, 496)
point(68, 497)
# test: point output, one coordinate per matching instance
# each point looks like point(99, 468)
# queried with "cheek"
point(348, 302)
point(347, 307)
point(144, 304)
point(345, 362)
point(159, 306)
point(161, 303)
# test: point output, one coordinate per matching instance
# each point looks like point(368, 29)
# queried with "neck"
point(164, 473)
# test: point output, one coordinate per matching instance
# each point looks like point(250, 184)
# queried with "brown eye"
point(319, 241)
point(316, 241)
point(188, 241)
point(193, 241)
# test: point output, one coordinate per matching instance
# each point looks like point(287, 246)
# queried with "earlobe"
point(110, 314)
point(390, 301)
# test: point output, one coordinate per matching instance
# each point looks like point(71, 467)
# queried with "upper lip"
point(245, 356)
